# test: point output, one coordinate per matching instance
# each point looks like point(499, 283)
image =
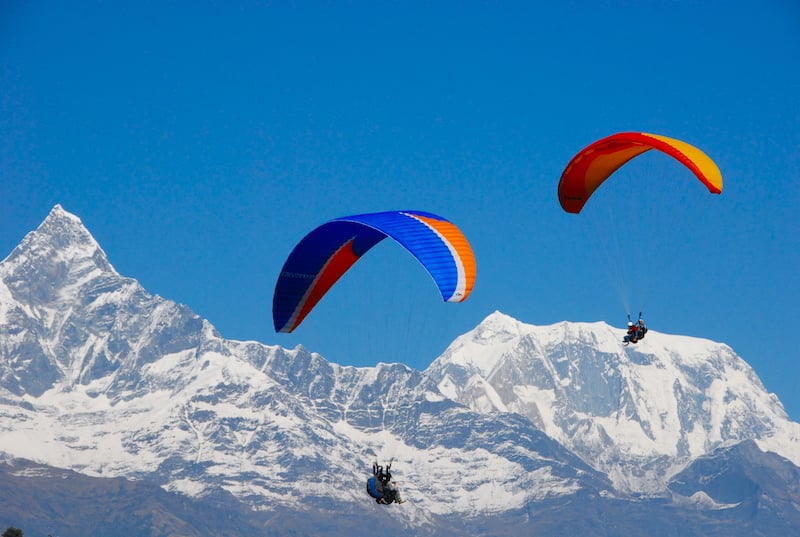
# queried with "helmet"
point(630, 323)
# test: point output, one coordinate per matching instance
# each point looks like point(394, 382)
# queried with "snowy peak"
point(495, 331)
point(61, 231)
point(60, 249)
point(98, 375)
point(499, 333)
point(665, 398)
point(68, 318)
point(496, 323)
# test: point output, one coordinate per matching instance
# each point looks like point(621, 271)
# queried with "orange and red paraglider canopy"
point(598, 161)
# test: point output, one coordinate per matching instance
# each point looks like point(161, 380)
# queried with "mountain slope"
point(550, 427)
point(639, 413)
point(760, 490)
point(130, 384)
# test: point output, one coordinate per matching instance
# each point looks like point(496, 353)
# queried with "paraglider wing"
point(325, 254)
point(599, 160)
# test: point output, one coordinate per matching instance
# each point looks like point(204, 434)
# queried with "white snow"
point(638, 413)
point(618, 430)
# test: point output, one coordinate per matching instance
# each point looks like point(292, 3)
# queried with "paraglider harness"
point(381, 487)
point(635, 331)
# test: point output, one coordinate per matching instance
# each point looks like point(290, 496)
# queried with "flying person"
point(633, 333)
point(642, 329)
point(636, 331)
point(381, 486)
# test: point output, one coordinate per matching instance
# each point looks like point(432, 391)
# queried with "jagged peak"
point(65, 224)
point(58, 212)
point(61, 236)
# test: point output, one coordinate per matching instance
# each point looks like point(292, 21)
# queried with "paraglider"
point(642, 327)
point(636, 331)
point(598, 161)
point(631, 336)
point(327, 252)
point(381, 486)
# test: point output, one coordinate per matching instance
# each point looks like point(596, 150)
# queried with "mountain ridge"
point(99, 376)
point(667, 396)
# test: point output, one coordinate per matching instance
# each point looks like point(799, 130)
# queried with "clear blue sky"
point(200, 141)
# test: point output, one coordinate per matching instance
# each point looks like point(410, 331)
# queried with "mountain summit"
point(60, 243)
point(514, 423)
point(68, 318)
point(639, 413)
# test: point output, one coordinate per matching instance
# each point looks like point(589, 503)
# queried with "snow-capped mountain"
point(102, 377)
point(99, 376)
point(639, 413)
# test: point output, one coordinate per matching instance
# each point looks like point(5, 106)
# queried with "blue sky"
point(200, 141)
